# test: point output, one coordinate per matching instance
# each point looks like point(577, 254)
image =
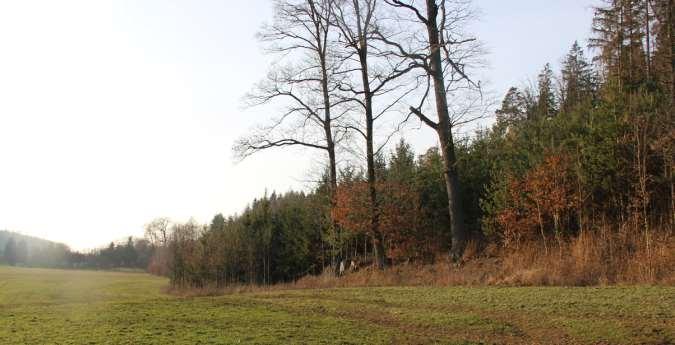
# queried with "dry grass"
point(592, 258)
point(596, 258)
point(212, 290)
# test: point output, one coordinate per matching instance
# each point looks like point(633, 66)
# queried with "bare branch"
point(249, 146)
point(401, 4)
point(424, 118)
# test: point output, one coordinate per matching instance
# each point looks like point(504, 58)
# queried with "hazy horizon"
point(116, 112)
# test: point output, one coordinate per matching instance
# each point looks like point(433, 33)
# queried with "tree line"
point(283, 237)
point(583, 149)
point(26, 251)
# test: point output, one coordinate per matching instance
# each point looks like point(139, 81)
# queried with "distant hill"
point(31, 242)
point(32, 251)
point(28, 251)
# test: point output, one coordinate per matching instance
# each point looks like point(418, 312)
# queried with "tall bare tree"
point(158, 233)
point(436, 44)
point(373, 74)
point(302, 81)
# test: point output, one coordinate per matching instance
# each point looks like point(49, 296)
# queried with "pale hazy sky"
point(115, 112)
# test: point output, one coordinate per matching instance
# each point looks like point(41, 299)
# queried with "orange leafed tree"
point(400, 217)
point(352, 207)
point(539, 203)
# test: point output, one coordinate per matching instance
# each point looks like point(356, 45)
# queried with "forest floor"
point(39, 306)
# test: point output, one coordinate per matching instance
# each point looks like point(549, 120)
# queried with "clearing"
point(40, 306)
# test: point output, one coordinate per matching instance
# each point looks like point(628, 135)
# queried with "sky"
point(115, 112)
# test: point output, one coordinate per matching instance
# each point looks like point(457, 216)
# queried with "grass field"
point(40, 306)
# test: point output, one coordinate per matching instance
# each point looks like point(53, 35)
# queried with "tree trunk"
point(321, 37)
point(378, 239)
point(444, 130)
point(671, 21)
point(330, 148)
point(362, 50)
point(648, 39)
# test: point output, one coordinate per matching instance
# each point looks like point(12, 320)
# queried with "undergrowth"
point(597, 258)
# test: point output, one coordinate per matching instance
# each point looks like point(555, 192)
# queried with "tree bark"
point(444, 130)
point(357, 36)
point(328, 132)
point(378, 238)
point(671, 20)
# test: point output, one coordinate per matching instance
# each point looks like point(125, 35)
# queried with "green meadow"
point(41, 306)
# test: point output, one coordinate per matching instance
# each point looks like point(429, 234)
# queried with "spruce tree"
point(513, 108)
point(546, 106)
point(578, 80)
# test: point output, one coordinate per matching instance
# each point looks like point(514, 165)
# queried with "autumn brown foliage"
point(595, 258)
point(406, 237)
point(540, 202)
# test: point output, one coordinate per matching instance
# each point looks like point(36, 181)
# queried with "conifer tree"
point(513, 108)
point(546, 105)
point(577, 78)
point(620, 30)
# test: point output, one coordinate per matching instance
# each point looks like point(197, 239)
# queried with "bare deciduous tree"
point(434, 42)
point(301, 30)
point(157, 231)
point(358, 23)
point(305, 85)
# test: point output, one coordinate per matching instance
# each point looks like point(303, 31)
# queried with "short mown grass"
point(39, 306)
